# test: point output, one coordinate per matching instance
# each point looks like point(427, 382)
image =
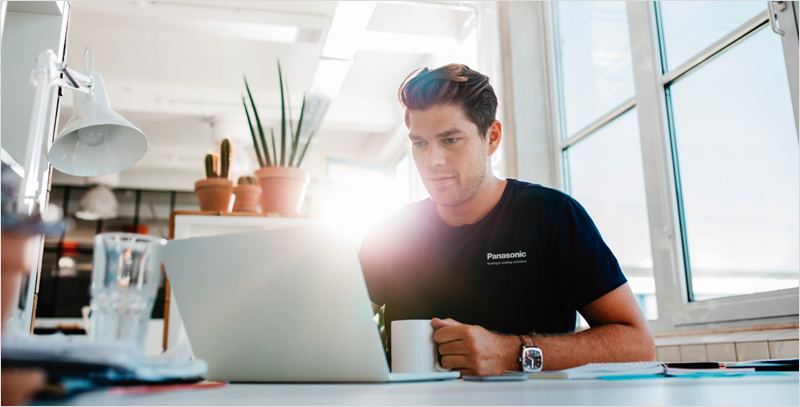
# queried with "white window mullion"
point(553, 76)
point(665, 237)
point(787, 21)
point(609, 117)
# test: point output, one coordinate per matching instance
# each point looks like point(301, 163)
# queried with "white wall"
point(526, 86)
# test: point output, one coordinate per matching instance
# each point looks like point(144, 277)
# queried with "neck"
point(477, 207)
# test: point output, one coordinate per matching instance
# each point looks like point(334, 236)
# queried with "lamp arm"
point(74, 80)
point(44, 77)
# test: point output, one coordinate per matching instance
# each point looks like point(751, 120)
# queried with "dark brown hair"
point(454, 84)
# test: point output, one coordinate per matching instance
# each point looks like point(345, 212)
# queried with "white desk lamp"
point(96, 140)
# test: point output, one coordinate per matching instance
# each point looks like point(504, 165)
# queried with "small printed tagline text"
point(500, 263)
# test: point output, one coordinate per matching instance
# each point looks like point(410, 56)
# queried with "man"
point(493, 262)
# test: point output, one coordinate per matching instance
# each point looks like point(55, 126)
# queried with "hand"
point(472, 350)
point(19, 385)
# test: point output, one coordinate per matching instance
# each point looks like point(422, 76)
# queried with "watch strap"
point(527, 341)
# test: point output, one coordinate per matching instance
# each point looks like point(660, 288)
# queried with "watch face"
point(532, 359)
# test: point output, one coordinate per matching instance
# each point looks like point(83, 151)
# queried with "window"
point(605, 176)
point(358, 196)
point(691, 26)
point(594, 60)
point(736, 149)
point(409, 185)
point(67, 259)
point(601, 150)
point(676, 130)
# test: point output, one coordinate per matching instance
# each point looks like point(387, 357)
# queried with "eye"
point(418, 143)
point(451, 140)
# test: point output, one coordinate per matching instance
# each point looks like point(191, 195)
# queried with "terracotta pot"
point(214, 194)
point(283, 189)
point(247, 197)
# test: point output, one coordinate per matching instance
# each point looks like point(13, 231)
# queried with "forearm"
point(601, 344)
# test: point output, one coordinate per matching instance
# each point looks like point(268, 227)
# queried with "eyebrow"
point(438, 136)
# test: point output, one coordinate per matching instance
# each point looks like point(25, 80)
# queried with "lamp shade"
point(98, 203)
point(96, 140)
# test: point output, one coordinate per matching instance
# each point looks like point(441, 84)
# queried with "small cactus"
point(248, 180)
point(225, 154)
point(211, 166)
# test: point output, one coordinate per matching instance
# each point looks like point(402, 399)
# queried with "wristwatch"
point(531, 356)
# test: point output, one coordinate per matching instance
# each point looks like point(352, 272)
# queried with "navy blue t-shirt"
point(526, 267)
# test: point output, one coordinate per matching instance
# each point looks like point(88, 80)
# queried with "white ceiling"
point(175, 70)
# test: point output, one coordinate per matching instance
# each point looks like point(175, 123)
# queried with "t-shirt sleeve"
point(372, 256)
point(585, 265)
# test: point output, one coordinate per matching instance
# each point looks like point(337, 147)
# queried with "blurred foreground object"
point(18, 385)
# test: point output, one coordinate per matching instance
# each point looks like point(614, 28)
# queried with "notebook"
point(679, 372)
point(598, 370)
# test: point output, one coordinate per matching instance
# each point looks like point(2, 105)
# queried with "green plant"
point(211, 166)
point(225, 153)
point(248, 180)
point(213, 162)
point(291, 159)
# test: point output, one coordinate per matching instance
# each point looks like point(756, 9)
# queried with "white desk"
point(768, 390)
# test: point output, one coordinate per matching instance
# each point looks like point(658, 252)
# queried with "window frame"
point(675, 310)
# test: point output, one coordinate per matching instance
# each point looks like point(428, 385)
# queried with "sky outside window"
point(738, 159)
point(691, 26)
point(595, 60)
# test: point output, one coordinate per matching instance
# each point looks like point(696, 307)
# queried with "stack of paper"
point(598, 370)
point(108, 362)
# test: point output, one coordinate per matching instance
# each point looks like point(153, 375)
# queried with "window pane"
point(607, 178)
point(358, 195)
point(594, 58)
point(691, 26)
point(123, 222)
point(186, 201)
point(154, 212)
point(738, 161)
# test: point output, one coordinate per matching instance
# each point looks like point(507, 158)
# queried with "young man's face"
point(450, 154)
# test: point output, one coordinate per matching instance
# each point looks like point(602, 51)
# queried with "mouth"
point(439, 180)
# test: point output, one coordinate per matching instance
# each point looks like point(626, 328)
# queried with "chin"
point(446, 198)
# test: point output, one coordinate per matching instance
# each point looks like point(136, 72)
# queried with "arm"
point(618, 333)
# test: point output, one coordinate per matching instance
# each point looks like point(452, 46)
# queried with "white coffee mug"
point(413, 347)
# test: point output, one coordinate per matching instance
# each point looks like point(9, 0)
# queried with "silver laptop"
point(285, 305)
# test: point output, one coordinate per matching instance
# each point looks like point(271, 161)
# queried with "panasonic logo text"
point(498, 256)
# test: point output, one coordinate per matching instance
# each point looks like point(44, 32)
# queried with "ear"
point(493, 135)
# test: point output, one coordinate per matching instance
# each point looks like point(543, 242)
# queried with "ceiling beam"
point(197, 11)
point(348, 114)
point(349, 22)
point(281, 34)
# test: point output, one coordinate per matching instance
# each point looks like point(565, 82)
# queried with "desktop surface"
point(780, 389)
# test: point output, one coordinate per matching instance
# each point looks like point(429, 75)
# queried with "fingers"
point(449, 334)
point(456, 362)
point(440, 323)
point(455, 348)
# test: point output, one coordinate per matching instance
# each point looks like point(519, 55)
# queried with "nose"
point(435, 156)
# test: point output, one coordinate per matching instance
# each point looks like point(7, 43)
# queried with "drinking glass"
point(126, 273)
